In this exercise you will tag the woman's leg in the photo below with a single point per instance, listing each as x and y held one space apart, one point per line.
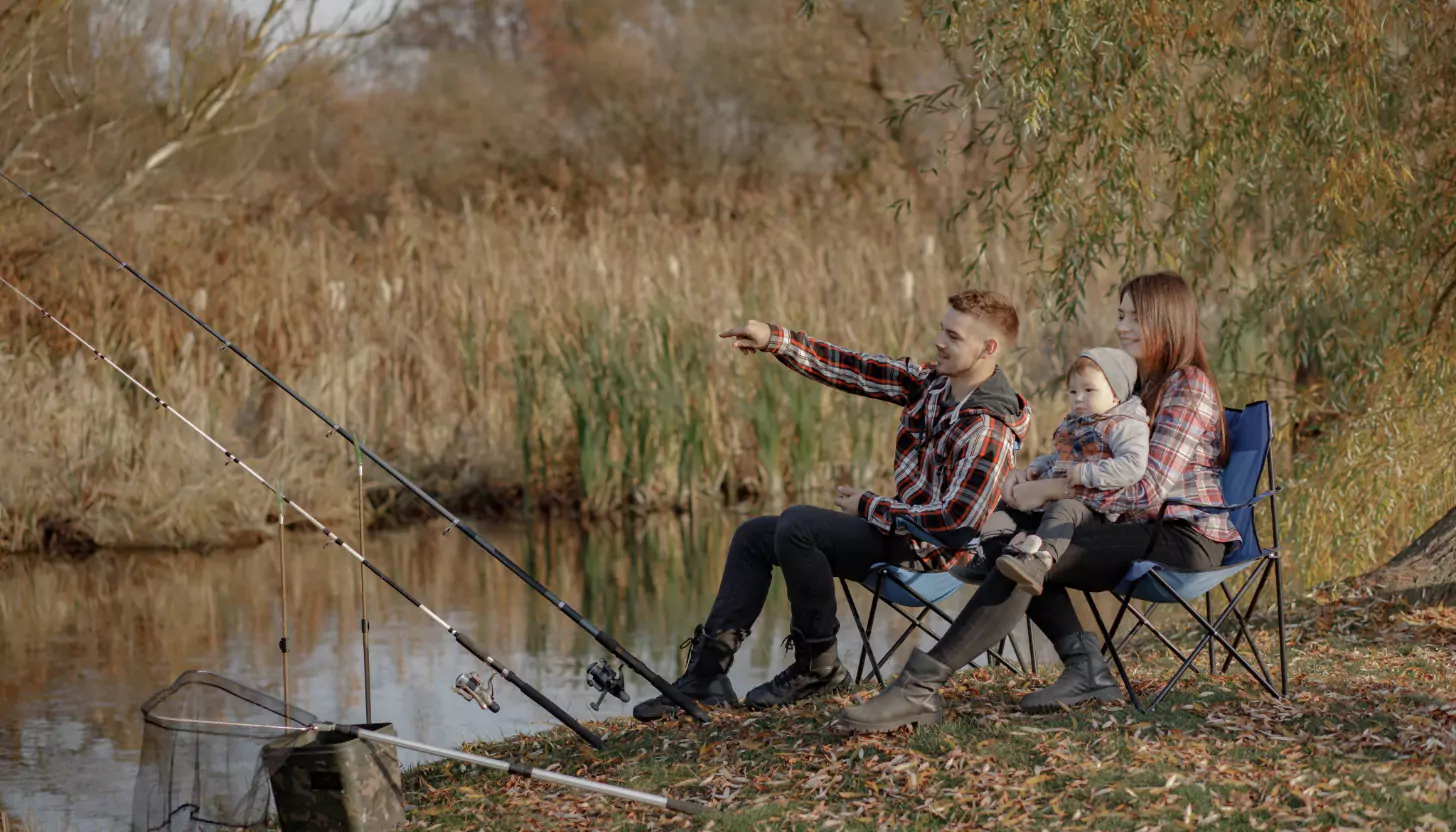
1096 560
914 697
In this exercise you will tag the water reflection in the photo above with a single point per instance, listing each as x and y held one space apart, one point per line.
84 644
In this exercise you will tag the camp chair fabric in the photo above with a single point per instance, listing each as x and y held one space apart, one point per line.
902 590
1250 433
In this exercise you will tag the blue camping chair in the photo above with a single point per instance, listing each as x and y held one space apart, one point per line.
1250 433
901 590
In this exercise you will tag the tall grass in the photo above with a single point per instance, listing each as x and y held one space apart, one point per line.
491 349
507 350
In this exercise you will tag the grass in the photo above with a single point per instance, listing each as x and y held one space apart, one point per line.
508 356
1364 740
502 351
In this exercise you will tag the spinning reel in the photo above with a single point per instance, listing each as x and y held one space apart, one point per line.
469 686
602 677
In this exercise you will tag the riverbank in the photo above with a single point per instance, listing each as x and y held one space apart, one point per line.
1365 740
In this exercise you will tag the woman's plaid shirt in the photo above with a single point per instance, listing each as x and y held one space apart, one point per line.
1182 461
950 461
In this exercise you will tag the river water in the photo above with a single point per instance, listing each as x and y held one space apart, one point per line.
84 644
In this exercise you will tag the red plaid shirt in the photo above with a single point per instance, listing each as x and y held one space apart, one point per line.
1182 461
950 461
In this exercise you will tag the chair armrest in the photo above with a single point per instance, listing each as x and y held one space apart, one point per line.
1217 508
1208 508
957 538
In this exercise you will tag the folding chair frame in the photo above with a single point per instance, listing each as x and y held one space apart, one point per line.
917 622
1269 560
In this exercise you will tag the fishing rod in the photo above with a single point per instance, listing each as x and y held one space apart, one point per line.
282 579
603 638
513 767
687 807
464 640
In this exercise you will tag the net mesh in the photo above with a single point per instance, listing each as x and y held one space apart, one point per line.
201 766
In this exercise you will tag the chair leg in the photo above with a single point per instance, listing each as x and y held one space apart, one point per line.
869 650
1208 612
1030 644
1243 633
994 655
1143 622
1116 656
1279 612
1262 575
864 636
1211 633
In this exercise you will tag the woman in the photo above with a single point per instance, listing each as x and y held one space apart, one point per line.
1157 324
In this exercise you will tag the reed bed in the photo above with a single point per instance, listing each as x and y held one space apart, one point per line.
507 354
493 349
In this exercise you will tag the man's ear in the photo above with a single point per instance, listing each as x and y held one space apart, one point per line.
992 347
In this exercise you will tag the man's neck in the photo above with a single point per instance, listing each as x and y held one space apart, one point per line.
961 385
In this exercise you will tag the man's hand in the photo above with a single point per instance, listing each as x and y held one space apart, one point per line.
748 338
1014 477
848 499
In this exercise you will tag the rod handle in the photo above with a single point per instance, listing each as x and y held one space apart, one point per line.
687 807
531 693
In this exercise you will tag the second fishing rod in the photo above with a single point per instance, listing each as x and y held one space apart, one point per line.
283 500
603 638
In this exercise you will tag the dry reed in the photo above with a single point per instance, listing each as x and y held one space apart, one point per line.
504 350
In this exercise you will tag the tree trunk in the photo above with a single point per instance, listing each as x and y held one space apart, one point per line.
1425 573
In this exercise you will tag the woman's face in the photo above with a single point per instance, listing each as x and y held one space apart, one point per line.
1129 332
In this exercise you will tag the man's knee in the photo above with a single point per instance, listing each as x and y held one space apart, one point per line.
755 536
800 524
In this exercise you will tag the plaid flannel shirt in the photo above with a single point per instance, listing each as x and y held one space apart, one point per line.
950 460
1080 439
1182 461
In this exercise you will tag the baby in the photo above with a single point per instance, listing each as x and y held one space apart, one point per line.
1102 444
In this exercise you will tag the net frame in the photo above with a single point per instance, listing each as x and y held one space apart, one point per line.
201 766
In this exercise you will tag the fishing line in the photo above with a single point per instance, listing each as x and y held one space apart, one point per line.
464 640
603 638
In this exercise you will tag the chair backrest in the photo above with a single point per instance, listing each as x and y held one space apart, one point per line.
1250 432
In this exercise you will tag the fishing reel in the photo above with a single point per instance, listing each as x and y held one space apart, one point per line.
469 686
600 676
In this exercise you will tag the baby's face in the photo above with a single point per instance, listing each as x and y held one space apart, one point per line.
1088 392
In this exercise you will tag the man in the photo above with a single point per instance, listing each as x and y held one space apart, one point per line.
958 432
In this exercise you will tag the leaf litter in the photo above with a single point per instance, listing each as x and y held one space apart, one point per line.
1366 739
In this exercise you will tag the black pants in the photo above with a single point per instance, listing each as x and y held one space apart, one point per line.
812 546
1095 560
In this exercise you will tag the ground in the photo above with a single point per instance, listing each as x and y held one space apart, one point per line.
1365 740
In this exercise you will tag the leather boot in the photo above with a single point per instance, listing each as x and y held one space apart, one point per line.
1084 678
816 670
705 680
912 699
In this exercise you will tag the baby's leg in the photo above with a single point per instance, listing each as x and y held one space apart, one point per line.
1060 520
999 524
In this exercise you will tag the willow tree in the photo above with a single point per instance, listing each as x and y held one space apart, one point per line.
1296 159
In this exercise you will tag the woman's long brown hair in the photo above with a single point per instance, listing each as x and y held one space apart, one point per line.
1167 314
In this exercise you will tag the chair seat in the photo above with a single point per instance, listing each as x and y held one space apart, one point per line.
932 586
1189 584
